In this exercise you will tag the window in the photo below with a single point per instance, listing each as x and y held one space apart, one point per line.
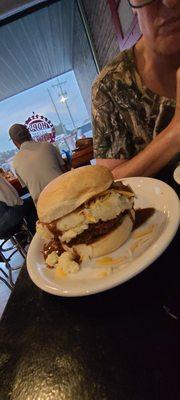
48 69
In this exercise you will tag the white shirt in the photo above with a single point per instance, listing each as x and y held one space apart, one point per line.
8 194
36 164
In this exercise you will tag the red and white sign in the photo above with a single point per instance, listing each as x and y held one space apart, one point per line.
41 128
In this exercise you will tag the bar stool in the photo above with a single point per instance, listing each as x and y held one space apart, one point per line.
5 277
19 237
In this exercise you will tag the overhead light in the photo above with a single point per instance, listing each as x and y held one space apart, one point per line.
63 99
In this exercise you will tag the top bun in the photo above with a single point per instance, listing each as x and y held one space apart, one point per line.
68 191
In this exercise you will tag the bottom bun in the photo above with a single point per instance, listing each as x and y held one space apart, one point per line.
108 243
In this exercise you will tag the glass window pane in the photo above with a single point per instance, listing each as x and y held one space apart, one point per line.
64 100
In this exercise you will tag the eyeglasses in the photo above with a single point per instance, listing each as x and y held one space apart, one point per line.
139 3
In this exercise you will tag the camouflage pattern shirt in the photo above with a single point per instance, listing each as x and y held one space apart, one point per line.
126 115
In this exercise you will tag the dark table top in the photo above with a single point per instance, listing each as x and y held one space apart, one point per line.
121 344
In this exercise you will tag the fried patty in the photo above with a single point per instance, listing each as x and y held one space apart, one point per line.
95 231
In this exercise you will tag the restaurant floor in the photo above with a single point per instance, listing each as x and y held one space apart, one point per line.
5 292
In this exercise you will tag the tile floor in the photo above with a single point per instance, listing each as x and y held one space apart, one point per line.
5 292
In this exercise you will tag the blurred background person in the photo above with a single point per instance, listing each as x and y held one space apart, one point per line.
13 209
36 163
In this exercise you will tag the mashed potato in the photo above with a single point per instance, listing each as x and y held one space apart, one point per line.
43 231
66 264
52 259
102 208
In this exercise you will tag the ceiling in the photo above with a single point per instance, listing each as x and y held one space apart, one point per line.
35 47
11 7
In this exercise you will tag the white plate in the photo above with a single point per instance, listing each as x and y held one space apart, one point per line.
176 174
144 246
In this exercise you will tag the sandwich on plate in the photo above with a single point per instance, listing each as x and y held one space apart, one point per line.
84 214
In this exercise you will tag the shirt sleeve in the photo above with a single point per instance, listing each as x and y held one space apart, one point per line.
112 137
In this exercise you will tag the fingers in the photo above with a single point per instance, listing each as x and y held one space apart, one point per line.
178 89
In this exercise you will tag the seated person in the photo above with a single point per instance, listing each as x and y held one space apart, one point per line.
13 209
136 98
36 163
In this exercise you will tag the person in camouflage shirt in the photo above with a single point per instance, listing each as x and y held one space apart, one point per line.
127 115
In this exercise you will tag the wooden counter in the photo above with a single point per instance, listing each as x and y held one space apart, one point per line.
82 157
16 184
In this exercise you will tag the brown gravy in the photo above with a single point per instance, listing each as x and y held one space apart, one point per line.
53 245
120 186
142 215
53 228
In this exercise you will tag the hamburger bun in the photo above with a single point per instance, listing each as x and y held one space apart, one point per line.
68 191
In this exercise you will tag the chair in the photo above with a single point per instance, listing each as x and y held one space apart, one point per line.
5 277
19 237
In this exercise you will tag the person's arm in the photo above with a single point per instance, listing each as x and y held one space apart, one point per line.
149 161
156 155
60 159
110 163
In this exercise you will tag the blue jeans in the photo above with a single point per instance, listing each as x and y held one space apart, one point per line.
10 217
